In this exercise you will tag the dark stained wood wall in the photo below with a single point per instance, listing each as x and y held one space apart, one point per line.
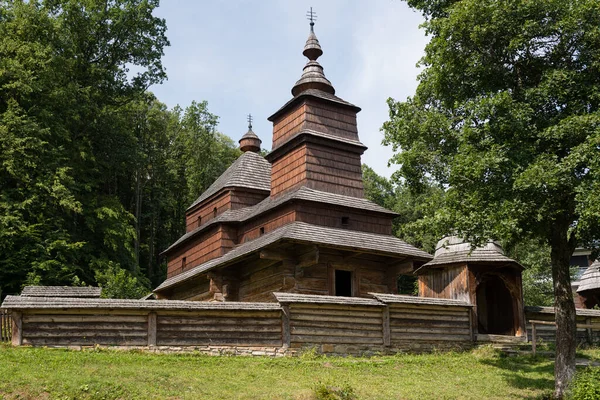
222 202
318 167
331 216
445 283
318 116
269 222
256 279
213 243
227 200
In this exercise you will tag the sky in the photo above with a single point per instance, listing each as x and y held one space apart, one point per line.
244 57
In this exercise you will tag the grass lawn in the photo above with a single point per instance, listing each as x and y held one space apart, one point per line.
32 373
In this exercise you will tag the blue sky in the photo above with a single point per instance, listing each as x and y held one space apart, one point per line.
244 57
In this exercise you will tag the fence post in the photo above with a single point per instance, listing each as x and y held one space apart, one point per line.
17 328
533 337
151 329
285 326
386 326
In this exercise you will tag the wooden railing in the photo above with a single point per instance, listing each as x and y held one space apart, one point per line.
5 326
534 322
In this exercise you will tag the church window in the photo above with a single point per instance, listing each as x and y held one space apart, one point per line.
183 261
215 212
199 220
345 221
262 230
343 283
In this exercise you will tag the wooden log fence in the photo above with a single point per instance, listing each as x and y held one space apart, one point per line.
533 322
334 325
5 326
337 325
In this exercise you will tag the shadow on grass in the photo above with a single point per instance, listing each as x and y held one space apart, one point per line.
524 372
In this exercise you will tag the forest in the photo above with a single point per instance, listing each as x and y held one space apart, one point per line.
96 173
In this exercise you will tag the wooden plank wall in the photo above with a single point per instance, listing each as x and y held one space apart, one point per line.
5 326
428 326
445 283
84 328
220 328
547 333
332 324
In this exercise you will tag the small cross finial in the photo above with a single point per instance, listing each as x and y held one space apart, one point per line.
312 17
250 121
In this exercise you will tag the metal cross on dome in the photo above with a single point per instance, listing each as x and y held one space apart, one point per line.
312 17
249 121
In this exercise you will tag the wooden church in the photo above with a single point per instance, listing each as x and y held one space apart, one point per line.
295 220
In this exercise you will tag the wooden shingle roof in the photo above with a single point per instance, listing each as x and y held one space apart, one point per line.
316 93
319 299
303 193
250 171
454 250
590 280
24 302
310 234
62 291
550 310
402 299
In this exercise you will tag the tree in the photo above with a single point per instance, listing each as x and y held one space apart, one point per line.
506 117
64 150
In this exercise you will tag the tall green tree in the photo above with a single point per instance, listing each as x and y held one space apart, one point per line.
506 115
64 151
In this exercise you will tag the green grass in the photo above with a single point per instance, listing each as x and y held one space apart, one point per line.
32 373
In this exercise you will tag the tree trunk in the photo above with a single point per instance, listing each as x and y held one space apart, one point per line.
566 328
138 215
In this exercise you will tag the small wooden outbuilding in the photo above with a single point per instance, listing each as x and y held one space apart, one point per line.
483 277
589 286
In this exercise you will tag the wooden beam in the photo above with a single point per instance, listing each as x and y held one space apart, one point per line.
152 329
285 326
386 326
355 254
17 328
308 259
274 255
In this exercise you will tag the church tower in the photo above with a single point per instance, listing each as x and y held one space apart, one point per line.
315 137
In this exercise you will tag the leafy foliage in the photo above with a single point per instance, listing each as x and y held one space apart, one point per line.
95 172
118 283
507 118
586 385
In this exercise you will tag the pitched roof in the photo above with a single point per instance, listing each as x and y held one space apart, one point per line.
302 193
477 255
402 299
318 299
307 233
453 250
590 279
314 93
61 291
23 302
250 170
550 310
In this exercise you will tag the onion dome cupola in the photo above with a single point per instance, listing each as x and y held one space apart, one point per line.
250 141
313 76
